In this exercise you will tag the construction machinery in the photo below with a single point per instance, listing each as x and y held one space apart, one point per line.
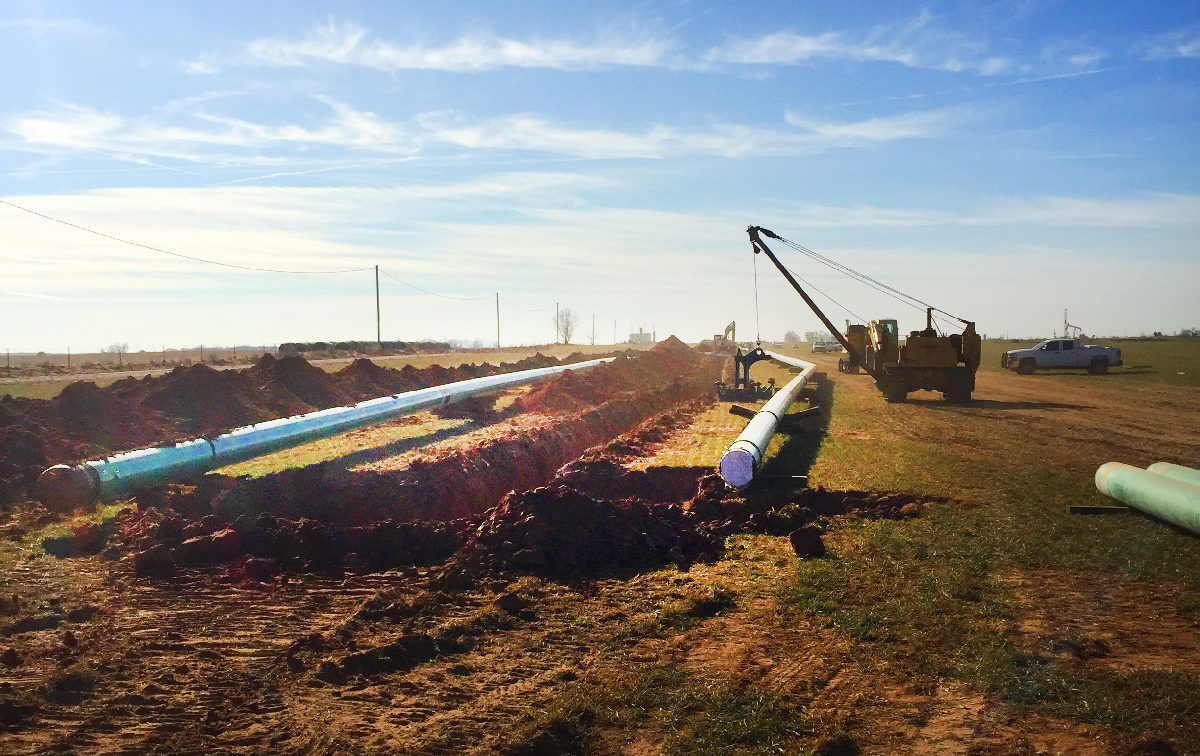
927 360
730 335
744 389
856 336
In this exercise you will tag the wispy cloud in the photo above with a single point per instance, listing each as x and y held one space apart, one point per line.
1156 210
921 124
43 26
194 137
1180 43
920 42
203 137
527 132
348 43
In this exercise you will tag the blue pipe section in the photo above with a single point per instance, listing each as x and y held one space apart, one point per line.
119 476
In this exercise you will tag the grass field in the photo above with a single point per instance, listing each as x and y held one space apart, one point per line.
996 622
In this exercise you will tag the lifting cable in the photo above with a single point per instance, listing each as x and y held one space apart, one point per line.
879 286
757 324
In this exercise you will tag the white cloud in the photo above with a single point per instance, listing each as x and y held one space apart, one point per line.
350 44
914 125
919 42
1180 43
527 132
42 26
1155 210
239 141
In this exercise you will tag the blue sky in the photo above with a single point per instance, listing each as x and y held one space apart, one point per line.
1001 160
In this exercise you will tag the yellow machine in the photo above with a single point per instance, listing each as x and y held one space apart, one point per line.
926 360
856 338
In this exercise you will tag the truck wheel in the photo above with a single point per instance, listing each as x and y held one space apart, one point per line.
1099 366
1027 366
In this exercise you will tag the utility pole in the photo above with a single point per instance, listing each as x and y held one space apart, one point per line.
556 316
378 323
497 320
68 358
614 333
593 329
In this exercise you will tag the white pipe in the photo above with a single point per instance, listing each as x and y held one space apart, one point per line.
744 457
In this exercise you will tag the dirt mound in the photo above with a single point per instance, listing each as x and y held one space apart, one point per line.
297 376
669 361
204 400
363 378
159 541
560 531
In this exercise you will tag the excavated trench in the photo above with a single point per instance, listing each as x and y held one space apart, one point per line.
326 515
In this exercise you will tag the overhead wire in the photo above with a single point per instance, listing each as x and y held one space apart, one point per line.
510 303
179 254
433 293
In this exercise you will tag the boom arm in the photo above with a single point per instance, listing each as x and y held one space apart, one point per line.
761 246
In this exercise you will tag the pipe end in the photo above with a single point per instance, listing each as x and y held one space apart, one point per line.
63 488
737 468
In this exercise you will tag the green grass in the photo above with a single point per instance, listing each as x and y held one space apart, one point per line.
688 716
925 598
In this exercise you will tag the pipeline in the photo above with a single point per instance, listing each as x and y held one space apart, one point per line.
744 457
1167 498
65 487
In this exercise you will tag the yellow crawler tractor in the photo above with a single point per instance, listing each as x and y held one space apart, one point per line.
926 360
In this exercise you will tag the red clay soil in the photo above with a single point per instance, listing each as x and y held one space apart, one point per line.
469 480
86 422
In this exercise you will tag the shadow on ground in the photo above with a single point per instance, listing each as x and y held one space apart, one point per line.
799 451
992 404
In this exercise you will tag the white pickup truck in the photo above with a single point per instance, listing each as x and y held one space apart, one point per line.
1056 354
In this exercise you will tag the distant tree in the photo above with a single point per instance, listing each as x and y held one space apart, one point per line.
118 349
791 337
564 324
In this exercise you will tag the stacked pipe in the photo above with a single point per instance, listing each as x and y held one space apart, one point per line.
64 487
1167 491
744 457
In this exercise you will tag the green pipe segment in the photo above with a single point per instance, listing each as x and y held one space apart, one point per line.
1167 499
1178 472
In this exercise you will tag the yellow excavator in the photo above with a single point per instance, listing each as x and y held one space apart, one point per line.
927 360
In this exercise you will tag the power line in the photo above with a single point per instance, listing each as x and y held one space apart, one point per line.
508 302
433 293
176 254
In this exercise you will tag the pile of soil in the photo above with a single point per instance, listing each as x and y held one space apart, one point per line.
561 531
669 360
157 542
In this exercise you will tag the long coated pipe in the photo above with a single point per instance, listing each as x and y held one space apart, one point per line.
1166 498
1178 472
116 477
744 457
